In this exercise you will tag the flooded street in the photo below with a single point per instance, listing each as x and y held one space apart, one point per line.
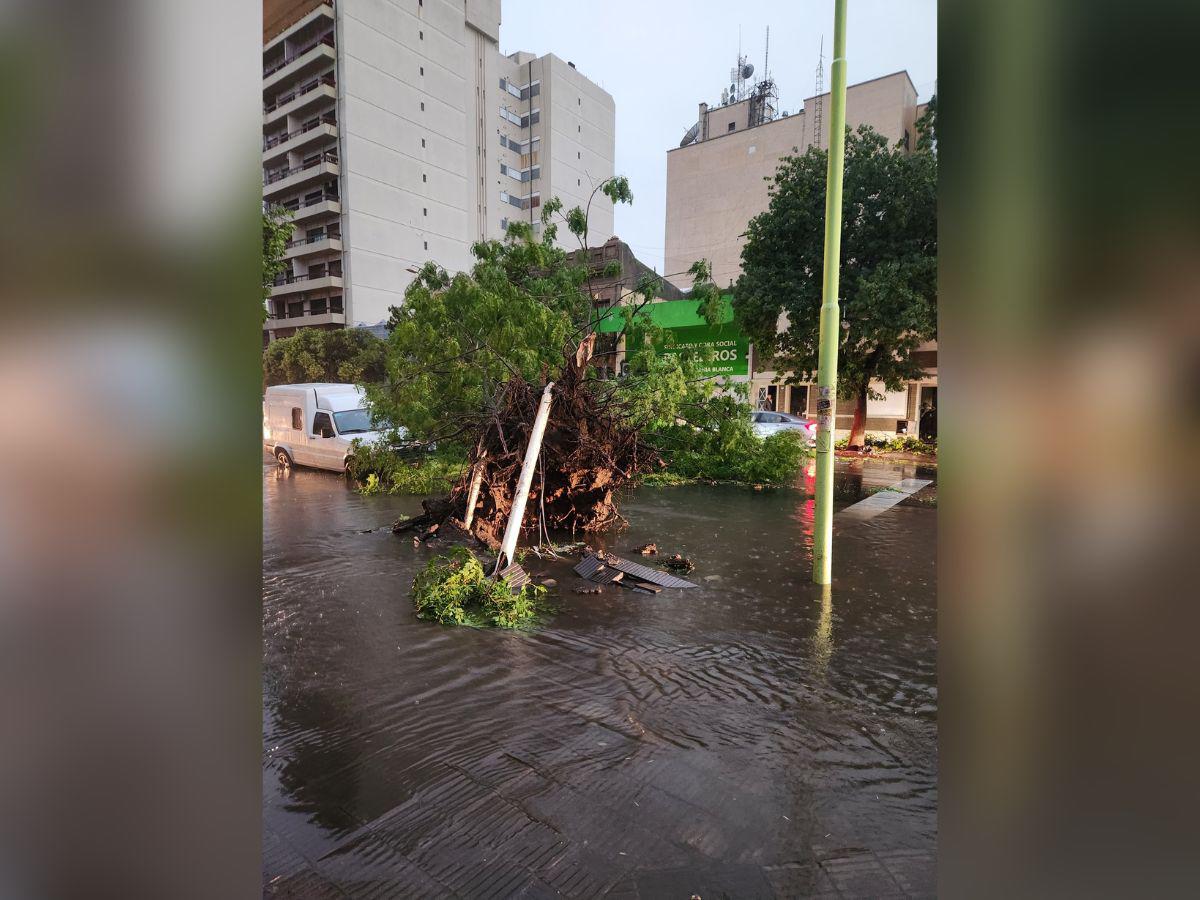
751 737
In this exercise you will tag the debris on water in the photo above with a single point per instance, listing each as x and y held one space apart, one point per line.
645 587
549 582
605 568
593 590
647 549
758 487
554 551
517 577
680 563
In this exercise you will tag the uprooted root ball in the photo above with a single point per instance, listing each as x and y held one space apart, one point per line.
588 452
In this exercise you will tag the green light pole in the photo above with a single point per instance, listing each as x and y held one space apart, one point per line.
830 325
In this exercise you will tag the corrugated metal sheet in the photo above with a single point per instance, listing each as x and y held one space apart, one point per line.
517 576
593 565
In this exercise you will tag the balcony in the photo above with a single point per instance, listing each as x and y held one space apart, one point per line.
300 98
325 204
305 320
296 284
281 181
325 243
322 12
318 54
280 145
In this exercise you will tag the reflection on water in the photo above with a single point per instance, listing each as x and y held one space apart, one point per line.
755 719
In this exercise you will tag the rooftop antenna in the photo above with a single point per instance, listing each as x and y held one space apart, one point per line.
820 91
767 55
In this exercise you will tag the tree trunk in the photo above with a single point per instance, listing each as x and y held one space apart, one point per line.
858 429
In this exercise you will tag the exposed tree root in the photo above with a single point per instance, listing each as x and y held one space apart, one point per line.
588 453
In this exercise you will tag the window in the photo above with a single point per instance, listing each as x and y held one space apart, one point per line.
424 177
422 142
579 101
578 155
323 425
579 128
422 68
732 125
422 106
352 421
297 418
421 35
427 245
425 211
576 182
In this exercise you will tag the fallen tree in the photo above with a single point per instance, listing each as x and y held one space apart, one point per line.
469 356
590 450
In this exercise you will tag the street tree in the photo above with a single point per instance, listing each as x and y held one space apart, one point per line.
351 355
888 274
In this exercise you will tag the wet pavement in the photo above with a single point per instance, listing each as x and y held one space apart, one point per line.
748 738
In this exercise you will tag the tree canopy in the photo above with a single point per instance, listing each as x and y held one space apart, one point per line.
521 310
351 355
888 264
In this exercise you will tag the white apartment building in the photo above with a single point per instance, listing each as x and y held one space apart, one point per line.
396 133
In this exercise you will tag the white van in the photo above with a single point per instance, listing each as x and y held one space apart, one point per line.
314 424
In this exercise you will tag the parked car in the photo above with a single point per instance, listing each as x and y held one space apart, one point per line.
767 423
315 424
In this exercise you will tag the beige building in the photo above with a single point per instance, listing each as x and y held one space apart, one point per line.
717 181
396 134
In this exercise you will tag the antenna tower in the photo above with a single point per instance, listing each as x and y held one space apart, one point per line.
820 90
767 55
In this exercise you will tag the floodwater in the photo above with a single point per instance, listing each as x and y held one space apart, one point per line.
752 737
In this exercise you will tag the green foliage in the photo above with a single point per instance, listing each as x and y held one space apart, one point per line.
457 338
277 230
927 127
727 449
901 443
454 590
524 302
888 263
351 355
380 470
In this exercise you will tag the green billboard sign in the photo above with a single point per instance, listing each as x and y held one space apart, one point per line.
730 349
685 329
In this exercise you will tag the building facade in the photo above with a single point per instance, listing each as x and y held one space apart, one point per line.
718 180
396 134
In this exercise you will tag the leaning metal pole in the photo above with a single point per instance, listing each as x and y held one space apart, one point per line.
508 547
827 357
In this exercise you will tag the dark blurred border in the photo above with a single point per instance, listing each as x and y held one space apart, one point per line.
130 486
1070 318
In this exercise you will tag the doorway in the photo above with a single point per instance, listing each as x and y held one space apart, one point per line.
927 428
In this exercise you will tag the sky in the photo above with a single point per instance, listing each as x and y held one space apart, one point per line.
660 58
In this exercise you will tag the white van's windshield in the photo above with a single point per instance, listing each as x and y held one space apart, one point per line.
352 421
